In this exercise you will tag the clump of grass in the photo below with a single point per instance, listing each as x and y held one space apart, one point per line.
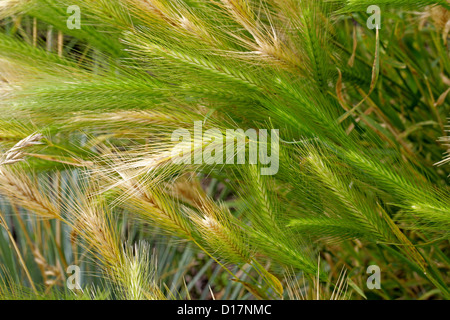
360 114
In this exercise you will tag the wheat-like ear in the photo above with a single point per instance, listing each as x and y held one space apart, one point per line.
9 7
15 154
140 273
132 270
221 233
145 197
22 189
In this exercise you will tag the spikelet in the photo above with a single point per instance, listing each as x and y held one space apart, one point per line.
8 7
22 189
221 232
15 154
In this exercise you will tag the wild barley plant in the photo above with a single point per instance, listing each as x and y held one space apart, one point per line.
361 117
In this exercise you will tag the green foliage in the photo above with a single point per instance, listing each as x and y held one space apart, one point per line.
360 113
